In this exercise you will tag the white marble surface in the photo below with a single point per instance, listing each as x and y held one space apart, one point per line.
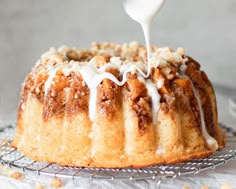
206 29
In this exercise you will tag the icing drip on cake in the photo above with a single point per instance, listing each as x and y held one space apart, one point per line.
152 91
155 97
211 142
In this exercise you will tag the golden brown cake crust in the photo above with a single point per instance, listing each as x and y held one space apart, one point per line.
54 124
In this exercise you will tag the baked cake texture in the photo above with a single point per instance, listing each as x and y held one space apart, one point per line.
96 108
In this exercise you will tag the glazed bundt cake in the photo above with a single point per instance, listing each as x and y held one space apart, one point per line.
98 107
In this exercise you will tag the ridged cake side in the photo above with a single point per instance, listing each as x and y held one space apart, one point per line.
62 120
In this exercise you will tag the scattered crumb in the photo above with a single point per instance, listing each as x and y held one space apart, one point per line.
16 175
56 183
226 186
39 186
4 141
204 187
186 187
6 168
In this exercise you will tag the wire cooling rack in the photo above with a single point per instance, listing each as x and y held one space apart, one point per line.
14 158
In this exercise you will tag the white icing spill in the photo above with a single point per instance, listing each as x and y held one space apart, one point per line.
211 142
143 12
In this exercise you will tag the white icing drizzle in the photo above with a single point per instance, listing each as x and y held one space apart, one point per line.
152 91
211 142
93 76
155 97
143 12
72 66
66 68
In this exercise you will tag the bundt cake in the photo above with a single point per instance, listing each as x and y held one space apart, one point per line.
97 107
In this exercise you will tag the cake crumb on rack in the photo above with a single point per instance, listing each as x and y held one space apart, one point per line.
5 170
226 186
16 175
4 141
39 186
56 182
186 187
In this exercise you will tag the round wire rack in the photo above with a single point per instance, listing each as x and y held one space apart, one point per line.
14 158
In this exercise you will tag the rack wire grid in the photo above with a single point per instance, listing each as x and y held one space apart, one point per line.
13 158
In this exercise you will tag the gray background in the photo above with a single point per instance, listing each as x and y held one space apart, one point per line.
205 28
